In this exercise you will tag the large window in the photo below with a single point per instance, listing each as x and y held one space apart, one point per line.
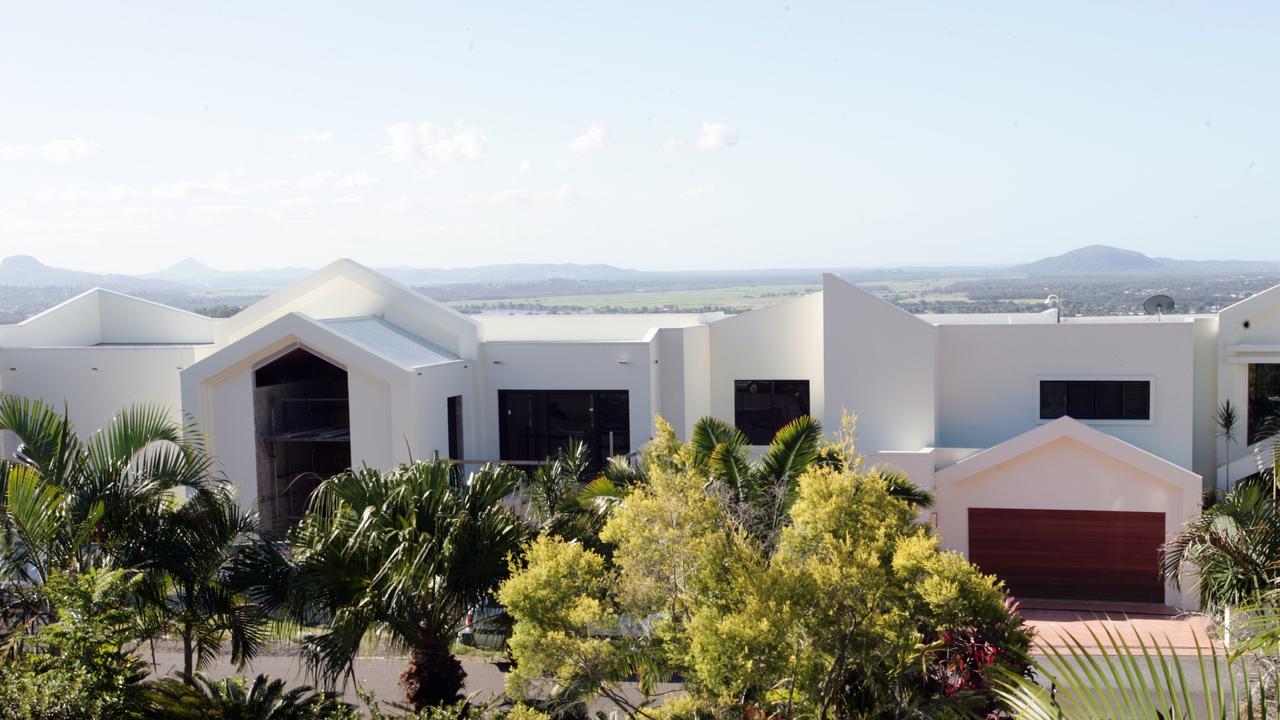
1095 399
1264 401
535 424
762 407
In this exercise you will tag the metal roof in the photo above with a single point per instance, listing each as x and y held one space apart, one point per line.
388 341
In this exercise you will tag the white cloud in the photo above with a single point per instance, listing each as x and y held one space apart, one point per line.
314 138
671 143
317 179
716 135
427 143
590 141
303 201
355 180
349 199
698 191
220 185
554 196
52 151
526 166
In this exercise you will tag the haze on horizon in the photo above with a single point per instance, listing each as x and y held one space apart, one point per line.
654 136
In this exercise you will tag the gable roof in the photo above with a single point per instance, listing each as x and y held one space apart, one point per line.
406 308
106 317
1072 429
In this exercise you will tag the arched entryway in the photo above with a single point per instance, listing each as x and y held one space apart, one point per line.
302 424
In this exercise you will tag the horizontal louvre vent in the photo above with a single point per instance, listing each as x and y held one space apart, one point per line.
1095 399
1137 400
1053 399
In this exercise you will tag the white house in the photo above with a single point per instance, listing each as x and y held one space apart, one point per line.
1062 452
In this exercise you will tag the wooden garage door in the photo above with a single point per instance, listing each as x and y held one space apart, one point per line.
1070 554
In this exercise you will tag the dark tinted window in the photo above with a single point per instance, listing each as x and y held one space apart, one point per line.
762 407
535 424
1095 399
1264 401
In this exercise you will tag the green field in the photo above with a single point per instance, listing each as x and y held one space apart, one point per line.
747 297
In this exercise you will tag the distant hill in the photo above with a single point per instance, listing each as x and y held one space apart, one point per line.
195 274
26 271
1107 260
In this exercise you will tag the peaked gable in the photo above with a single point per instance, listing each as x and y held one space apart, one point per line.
1071 429
345 288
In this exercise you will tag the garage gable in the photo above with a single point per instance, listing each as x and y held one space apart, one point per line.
1079 446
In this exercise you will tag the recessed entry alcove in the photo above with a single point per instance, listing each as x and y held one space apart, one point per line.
302 424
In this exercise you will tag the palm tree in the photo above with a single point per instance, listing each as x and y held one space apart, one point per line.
1232 549
759 493
69 504
402 555
199 562
1105 676
1225 423
233 698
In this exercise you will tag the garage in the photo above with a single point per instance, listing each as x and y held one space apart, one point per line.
1070 554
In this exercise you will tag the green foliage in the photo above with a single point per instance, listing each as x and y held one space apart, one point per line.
1103 675
1232 549
403 555
841 605
78 666
203 698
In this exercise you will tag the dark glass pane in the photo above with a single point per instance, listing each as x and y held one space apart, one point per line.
539 423
762 407
1080 400
1264 401
1108 400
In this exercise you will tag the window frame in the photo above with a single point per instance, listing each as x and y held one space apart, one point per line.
1151 400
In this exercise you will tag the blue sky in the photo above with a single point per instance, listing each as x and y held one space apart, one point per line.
651 135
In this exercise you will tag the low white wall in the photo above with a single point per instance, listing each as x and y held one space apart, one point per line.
95 383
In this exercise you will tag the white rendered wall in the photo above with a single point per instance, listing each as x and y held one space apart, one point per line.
684 376
1064 475
881 365
570 366
779 342
96 382
126 319
433 388
989 378
1239 346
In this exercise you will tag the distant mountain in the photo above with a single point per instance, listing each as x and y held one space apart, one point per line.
195 274
1107 260
1091 260
26 271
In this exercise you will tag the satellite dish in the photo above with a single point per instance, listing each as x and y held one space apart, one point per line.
1158 305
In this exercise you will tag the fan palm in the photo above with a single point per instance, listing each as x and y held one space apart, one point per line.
401 554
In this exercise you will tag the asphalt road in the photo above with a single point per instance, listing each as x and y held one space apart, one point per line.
381 675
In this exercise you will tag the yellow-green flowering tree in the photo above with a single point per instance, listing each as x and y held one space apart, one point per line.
849 610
